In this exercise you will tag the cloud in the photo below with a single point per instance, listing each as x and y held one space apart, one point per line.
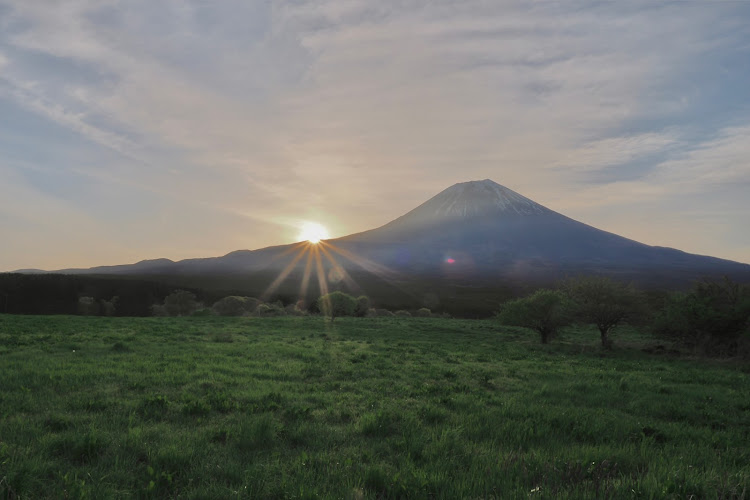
353 112
615 151
723 159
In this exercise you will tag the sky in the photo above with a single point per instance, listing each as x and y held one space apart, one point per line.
135 129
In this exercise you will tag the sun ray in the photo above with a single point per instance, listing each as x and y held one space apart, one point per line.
348 280
362 262
282 276
386 274
322 283
317 256
299 246
306 277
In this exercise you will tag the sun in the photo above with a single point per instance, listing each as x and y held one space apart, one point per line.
313 232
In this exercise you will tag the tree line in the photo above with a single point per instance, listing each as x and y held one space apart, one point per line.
713 317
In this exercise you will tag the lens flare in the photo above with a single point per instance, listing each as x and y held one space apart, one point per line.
313 232
312 254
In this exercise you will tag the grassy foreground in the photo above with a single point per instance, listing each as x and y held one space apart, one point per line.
294 407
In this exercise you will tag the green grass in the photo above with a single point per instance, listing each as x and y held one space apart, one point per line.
294 407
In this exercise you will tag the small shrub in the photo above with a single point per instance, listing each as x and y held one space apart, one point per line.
423 313
384 313
265 310
402 314
294 310
337 304
234 305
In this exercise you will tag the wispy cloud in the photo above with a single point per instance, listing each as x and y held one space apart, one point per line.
352 112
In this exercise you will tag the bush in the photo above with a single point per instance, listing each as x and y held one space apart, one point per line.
158 310
545 311
362 306
265 310
234 305
294 310
384 313
714 316
180 303
337 304
402 314
109 306
88 306
423 313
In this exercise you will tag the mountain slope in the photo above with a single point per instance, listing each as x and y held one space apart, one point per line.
482 228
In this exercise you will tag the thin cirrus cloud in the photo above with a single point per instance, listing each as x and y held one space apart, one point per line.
181 129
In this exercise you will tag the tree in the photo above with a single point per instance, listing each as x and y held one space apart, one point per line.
88 306
180 303
109 307
545 311
714 315
337 304
362 306
604 302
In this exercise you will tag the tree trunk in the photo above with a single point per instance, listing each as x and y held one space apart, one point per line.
606 343
545 336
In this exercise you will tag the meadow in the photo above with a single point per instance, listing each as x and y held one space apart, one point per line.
299 407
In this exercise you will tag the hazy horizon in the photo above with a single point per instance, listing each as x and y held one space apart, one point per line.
132 131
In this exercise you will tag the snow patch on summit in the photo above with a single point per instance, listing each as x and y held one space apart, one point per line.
485 197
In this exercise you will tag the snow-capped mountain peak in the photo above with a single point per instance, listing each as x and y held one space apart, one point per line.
470 200
485 197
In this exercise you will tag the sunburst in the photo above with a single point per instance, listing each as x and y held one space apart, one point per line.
313 232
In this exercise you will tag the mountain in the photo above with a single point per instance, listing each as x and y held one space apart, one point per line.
481 228
472 232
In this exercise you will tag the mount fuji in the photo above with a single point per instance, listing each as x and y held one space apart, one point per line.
483 229
476 231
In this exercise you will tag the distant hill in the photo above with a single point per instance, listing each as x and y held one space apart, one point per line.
473 232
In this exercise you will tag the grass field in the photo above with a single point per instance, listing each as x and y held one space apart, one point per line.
296 407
